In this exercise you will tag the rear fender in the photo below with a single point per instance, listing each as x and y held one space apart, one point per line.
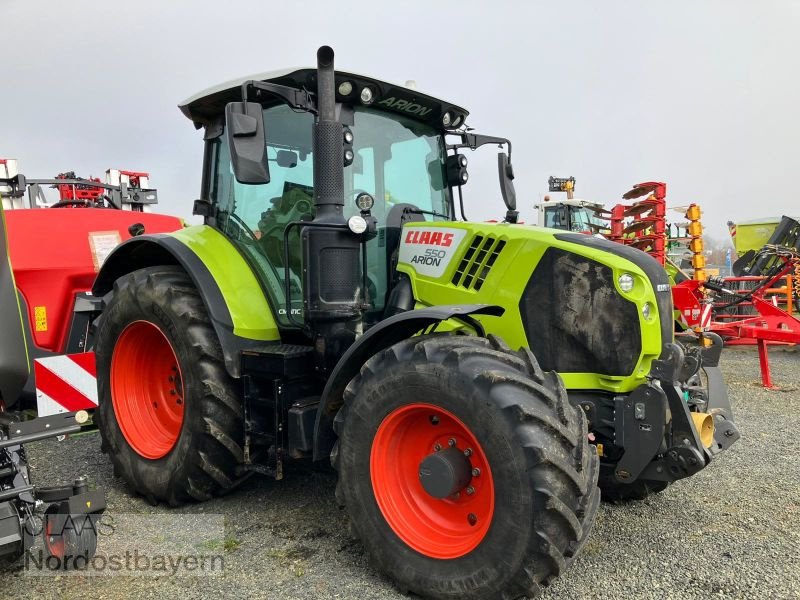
386 333
235 301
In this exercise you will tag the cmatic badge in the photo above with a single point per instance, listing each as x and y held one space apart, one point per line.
430 249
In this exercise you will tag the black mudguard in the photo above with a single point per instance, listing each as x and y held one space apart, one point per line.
13 351
386 333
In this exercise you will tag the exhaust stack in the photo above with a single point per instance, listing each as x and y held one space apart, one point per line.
328 144
331 252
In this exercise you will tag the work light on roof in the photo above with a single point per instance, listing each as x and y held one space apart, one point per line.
367 96
345 88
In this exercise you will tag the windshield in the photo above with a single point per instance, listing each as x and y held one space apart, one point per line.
581 219
397 161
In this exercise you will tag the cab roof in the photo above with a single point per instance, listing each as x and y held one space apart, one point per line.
207 106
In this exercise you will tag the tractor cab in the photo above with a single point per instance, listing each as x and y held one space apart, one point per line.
397 167
575 215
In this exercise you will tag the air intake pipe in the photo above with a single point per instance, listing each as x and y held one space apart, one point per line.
331 252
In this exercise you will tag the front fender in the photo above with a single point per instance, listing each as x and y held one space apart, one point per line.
386 333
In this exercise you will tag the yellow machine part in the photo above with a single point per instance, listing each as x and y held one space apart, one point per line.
704 423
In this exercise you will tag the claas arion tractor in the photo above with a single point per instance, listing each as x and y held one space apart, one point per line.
469 382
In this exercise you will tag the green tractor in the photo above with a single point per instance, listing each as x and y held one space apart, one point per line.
331 307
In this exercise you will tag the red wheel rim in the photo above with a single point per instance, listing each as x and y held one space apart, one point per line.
55 543
443 528
147 390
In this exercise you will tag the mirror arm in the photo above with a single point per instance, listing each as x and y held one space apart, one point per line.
473 141
297 99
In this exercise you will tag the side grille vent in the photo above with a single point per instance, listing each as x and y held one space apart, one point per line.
477 262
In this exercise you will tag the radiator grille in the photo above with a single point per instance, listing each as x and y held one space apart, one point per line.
477 262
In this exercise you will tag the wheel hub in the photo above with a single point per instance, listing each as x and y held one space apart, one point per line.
444 473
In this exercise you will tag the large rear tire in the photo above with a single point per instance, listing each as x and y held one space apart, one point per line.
530 494
169 415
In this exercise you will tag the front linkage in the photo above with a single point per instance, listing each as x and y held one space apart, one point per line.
666 429
68 527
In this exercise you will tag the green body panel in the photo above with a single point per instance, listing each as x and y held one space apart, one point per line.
244 296
754 234
505 285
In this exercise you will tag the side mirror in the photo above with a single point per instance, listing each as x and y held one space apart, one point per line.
563 217
506 172
286 159
247 141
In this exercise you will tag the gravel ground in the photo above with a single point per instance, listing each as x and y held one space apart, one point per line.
732 531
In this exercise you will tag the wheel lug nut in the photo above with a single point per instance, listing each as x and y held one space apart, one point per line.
173 392
472 519
451 442
470 490
170 378
434 420
476 472
437 447
468 452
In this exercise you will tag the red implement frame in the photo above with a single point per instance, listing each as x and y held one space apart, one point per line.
643 223
771 325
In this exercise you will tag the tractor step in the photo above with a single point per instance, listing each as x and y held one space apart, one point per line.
278 361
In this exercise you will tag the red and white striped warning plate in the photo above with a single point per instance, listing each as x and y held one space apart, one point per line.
65 383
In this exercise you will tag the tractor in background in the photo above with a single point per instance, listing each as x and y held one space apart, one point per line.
332 308
572 214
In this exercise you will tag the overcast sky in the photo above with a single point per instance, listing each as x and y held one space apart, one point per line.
703 95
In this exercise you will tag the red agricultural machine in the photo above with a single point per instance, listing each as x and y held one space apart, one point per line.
51 254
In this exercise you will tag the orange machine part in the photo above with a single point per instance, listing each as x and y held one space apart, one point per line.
53 260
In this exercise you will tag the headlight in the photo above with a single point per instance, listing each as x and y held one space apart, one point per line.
357 224
647 311
625 282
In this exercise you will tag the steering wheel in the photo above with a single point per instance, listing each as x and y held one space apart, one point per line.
242 226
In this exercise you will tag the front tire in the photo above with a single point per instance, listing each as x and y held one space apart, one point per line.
169 415
532 497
